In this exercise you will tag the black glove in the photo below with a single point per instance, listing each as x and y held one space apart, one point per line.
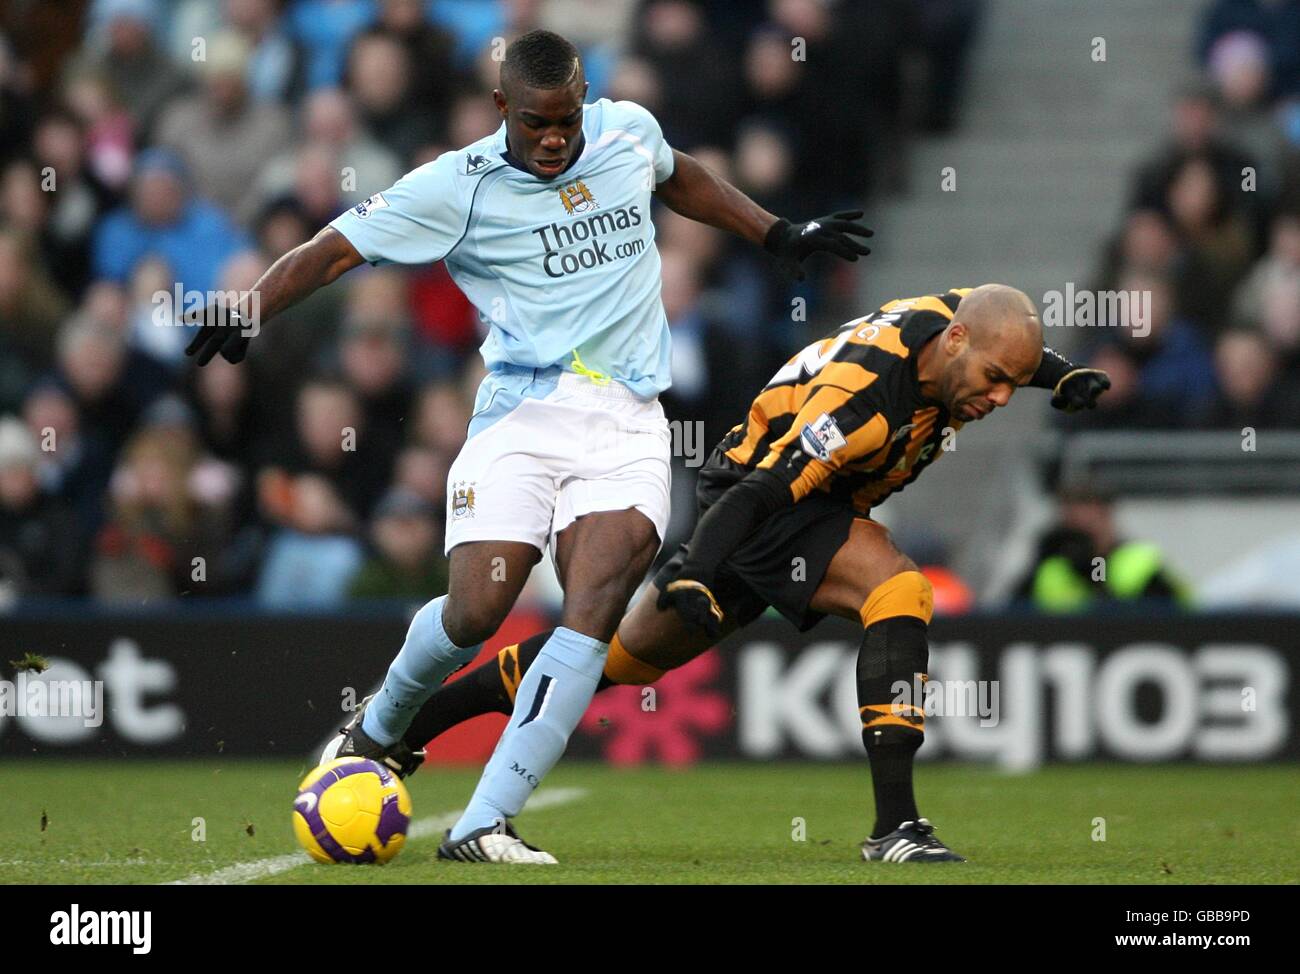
1079 389
222 330
694 603
792 242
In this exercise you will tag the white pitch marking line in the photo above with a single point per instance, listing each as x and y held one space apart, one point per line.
247 872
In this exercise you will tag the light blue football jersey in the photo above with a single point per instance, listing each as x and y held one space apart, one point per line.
554 266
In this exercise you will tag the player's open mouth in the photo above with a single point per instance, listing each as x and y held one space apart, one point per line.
549 166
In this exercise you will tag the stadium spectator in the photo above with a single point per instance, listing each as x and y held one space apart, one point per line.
317 186
748 304
1269 298
445 324
110 131
39 552
441 419
312 559
203 128
333 441
280 226
1253 391
1217 238
1161 373
473 116
372 358
430 51
78 201
380 81
697 84
111 385
832 144
163 515
324 29
16 109
1277 22
74 464
1240 67
153 327
406 533
329 120
31 308
274 70
122 47
1083 561
1195 132
164 219
307 332
700 349
765 166
423 472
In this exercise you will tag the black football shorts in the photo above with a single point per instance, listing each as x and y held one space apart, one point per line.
781 563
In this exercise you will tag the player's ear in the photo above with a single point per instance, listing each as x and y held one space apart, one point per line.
499 100
957 337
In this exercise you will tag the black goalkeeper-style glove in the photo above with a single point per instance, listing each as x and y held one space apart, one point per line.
790 242
693 602
222 330
1079 389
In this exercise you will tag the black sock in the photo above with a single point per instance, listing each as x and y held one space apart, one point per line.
481 691
891 780
893 650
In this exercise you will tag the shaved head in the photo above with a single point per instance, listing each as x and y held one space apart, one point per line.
1000 315
992 346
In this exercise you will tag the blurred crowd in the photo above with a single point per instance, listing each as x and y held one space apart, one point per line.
152 148
1212 234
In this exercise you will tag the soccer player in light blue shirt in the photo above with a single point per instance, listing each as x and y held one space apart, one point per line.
545 225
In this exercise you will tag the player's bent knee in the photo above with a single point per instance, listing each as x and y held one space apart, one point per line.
908 593
468 625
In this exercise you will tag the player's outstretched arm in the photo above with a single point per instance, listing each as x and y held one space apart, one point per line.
297 274
1073 387
695 191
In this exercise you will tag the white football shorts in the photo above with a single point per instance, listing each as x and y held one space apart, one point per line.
577 448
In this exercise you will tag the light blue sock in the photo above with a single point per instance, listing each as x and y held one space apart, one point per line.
550 701
426 659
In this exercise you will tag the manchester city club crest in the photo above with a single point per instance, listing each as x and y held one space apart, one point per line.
462 499
577 198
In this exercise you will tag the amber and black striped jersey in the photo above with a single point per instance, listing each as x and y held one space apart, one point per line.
846 416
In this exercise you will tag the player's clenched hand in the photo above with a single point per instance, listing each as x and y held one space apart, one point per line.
792 242
1079 389
221 330
694 603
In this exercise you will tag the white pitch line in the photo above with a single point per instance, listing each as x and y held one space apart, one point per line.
247 872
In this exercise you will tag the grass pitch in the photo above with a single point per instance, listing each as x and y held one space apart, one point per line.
136 822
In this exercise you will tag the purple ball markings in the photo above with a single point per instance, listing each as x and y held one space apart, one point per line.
391 818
